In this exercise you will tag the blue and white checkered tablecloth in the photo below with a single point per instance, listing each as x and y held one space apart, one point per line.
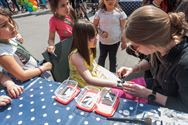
37 106
128 6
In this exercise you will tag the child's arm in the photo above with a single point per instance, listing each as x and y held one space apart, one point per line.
4 100
9 63
77 60
13 90
51 39
102 33
123 39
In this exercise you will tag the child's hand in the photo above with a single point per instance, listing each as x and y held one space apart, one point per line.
51 49
123 45
19 38
104 34
4 100
14 90
46 66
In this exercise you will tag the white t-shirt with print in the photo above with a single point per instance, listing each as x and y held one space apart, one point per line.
110 22
24 59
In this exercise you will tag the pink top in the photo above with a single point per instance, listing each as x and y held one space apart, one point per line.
62 27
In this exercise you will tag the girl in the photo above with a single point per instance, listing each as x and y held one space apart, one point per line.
13 90
61 22
168 50
14 58
83 52
110 20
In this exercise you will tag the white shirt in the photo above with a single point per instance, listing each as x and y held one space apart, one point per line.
24 59
110 23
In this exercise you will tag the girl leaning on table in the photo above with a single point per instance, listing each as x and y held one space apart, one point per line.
81 58
162 37
14 58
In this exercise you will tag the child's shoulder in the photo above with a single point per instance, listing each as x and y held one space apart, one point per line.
100 11
119 10
73 52
52 17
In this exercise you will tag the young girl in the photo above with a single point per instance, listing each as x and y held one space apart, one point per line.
13 90
81 58
14 58
61 22
110 20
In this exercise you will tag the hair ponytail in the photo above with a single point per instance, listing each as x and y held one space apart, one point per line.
179 26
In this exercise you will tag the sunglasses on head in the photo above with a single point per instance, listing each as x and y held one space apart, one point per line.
132 50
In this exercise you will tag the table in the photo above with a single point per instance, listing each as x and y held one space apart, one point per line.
37 106
128 6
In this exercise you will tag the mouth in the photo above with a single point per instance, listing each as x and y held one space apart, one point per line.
110 4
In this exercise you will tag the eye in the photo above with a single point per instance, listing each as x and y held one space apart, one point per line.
3 25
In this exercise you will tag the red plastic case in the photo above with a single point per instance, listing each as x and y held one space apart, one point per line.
108 103
66 91
87 99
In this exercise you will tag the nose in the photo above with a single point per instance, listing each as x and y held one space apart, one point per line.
67 6
11 26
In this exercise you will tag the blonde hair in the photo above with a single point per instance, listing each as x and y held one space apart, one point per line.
150 25
102 5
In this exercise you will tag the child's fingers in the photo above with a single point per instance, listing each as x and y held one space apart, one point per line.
17 92
20 90
12 93
5 97
4 100
3 103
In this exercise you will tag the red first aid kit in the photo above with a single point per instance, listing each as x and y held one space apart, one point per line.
66 91
108 103
88 98
103 102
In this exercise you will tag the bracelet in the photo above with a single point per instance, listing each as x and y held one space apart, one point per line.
41 71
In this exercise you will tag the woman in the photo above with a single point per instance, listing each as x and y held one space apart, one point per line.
161 36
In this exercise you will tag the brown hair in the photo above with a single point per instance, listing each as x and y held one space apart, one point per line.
54 6
102 5
150 25
82 32
8 15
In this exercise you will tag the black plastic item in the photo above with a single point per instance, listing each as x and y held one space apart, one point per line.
59 60
146 121
135 54
120 83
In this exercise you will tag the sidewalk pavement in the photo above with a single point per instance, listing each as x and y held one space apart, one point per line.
38 12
